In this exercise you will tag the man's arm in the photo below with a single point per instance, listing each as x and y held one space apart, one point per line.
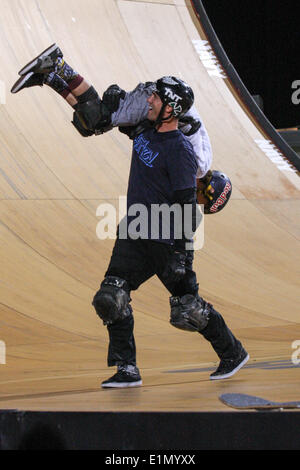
199 139
190 216
94 116
190 220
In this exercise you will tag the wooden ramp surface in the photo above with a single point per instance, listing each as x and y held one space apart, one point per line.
51 261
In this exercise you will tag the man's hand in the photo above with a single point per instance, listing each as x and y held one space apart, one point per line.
112 96
175 269
133 131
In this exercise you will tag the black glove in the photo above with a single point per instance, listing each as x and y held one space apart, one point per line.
130 131
112 96
175 269
194 124
133 131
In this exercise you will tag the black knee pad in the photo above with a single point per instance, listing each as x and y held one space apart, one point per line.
111 302
189 312
80 125
93 114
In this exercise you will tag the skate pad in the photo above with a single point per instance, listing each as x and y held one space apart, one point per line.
241 401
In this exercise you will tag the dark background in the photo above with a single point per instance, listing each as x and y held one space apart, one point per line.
261 39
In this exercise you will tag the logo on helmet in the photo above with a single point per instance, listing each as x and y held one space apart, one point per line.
177 109
173 96
222 198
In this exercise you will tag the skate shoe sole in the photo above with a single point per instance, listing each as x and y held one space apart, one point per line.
234 371
138 383
21 82
33 63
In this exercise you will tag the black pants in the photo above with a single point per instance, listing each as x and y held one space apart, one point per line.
136 261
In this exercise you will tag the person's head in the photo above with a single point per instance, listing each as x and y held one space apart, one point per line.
214 191
171 98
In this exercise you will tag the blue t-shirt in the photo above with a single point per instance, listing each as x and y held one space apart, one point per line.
162 162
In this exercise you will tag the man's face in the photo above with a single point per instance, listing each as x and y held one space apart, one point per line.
155 105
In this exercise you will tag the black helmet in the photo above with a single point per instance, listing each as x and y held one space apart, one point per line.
175 93
222 191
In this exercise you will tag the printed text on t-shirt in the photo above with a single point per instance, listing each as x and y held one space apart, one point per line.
145 154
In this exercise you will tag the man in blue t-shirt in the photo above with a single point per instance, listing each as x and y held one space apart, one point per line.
162 163
163 174
162 183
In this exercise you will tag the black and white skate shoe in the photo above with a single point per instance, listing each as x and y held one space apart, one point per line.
228 367
126 376
28 80
45 62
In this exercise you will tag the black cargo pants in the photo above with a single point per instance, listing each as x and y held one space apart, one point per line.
136 261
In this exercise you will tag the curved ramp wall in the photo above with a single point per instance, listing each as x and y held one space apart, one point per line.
52 181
